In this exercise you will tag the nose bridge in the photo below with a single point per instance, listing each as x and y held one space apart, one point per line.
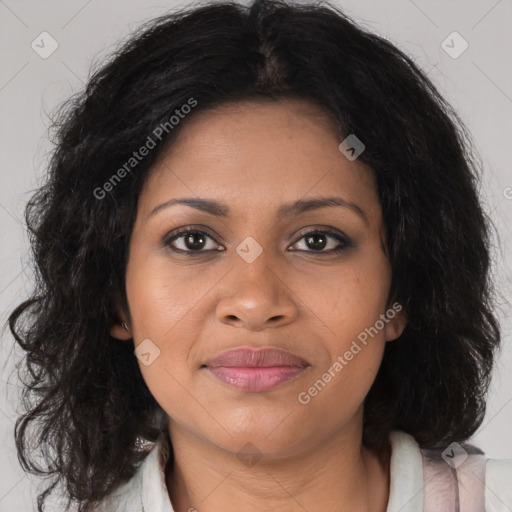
255 295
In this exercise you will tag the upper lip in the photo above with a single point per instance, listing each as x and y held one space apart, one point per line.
256 358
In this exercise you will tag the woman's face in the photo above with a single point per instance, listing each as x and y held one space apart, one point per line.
254 278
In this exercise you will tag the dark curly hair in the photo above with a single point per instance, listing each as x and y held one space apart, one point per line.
84 389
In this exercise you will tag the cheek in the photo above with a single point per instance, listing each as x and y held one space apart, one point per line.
161 304
161 299
350 297
349 302
354 337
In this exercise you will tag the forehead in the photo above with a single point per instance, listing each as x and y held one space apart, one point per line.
258 154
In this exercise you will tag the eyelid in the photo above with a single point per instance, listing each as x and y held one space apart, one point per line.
319 229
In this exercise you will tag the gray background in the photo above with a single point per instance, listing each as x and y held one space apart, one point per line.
478 83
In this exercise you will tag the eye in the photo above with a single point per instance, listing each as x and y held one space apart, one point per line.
191 240
323 242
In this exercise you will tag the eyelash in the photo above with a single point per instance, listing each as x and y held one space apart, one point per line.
180 232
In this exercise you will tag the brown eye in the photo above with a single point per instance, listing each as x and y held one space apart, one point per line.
323 242
192 240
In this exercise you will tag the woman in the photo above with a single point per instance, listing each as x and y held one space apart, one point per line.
262 277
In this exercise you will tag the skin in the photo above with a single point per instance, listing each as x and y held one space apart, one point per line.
254 157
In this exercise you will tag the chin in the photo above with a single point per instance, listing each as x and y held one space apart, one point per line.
270 438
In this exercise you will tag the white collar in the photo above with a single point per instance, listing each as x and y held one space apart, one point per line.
406 474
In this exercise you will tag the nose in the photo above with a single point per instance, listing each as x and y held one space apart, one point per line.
255 297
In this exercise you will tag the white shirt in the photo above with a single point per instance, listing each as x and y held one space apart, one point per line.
147 490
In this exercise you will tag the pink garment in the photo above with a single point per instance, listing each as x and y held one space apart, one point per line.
454 479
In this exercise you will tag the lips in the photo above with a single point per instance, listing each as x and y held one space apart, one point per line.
254 357
256 369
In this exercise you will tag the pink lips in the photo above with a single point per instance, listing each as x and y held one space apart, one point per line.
256 369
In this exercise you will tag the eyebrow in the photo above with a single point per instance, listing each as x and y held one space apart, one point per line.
285 211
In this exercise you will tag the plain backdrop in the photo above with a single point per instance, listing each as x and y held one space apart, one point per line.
476 81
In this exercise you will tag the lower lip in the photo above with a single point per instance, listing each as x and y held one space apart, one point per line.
256 379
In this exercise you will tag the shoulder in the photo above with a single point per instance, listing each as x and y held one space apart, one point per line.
146 490
434 476
132 496
498 485
126 498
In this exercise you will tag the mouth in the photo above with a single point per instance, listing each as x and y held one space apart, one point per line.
255 370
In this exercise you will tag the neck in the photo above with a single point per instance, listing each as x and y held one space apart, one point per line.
341 474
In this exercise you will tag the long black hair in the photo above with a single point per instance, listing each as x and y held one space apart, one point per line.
84 394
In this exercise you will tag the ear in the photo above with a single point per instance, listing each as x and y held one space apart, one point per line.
121 330
397 320
116 331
